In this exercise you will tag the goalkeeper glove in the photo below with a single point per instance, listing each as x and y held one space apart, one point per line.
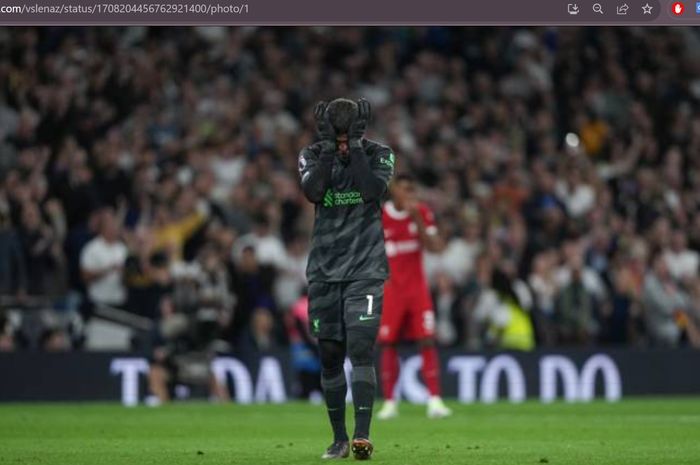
357 129
325 130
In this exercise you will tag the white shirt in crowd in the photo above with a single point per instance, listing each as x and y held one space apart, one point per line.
291 279
545 291
99 255
269 249
578 200
228 172
683 264
591 281
457 260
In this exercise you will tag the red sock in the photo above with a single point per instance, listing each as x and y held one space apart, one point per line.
431 370
390 371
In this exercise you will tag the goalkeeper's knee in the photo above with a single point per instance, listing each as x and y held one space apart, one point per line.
360 349
332 353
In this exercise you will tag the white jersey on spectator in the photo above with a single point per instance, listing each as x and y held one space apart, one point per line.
578 200
682 264
591 281
99 255
269 249
457 260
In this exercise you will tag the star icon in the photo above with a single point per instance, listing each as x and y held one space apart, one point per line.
647 9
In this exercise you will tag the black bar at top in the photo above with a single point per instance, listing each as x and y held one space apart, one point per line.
348 12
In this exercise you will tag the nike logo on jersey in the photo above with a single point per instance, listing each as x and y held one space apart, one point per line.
367 317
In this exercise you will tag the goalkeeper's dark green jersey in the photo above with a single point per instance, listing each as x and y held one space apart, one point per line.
348 240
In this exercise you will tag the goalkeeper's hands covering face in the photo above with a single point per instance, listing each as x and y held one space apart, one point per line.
324 128
357 129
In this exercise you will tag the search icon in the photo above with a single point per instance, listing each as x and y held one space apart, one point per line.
598 8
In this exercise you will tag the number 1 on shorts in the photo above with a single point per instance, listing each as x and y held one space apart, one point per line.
370 300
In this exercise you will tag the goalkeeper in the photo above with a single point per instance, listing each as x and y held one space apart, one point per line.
345 176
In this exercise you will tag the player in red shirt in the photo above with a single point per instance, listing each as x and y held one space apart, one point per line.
409 227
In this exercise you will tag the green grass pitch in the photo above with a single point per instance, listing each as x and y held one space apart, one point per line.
636 431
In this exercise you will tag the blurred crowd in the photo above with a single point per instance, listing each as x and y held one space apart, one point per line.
154 170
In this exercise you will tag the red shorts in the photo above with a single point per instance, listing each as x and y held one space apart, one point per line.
407 314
